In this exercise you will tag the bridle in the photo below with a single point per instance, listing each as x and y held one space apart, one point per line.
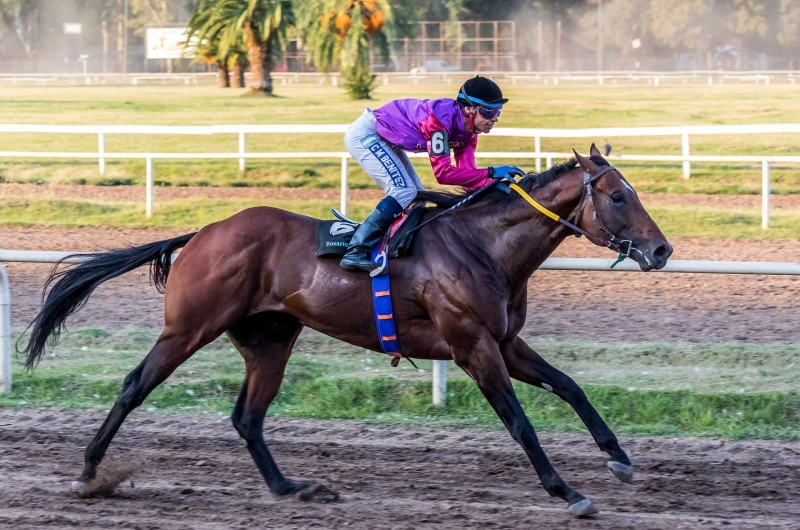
611 241
622 246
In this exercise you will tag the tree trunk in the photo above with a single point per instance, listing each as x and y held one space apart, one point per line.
120 45
104 31
259 55
222 74
238 72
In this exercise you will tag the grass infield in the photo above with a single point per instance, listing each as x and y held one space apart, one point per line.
529 106
675 221
733 390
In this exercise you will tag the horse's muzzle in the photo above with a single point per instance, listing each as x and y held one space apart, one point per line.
655 255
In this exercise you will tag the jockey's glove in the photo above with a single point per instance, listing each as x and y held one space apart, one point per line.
506 173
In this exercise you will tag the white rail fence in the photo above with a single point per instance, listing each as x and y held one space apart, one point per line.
439 367
652 78
683 132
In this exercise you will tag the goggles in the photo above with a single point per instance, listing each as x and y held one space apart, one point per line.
489 111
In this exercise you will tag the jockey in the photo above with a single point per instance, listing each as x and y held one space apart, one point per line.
379 139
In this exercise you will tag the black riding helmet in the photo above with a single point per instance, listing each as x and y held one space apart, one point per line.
481 92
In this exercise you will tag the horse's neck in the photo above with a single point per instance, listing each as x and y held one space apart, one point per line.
531 238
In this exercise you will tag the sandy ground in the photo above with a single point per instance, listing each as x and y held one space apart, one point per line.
594 306
193 472
136 194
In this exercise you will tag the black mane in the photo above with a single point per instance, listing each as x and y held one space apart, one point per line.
446 199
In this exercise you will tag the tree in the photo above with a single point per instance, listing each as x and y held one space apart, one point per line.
112 26
208 38
19 16
260 24
344 32
789 34
703 25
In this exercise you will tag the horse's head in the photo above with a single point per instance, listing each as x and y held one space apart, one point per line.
611 212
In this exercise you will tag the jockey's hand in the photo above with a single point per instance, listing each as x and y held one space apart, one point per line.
506 173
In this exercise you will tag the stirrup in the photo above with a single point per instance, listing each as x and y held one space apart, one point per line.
382 261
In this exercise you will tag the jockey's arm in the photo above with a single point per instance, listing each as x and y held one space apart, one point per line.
463 173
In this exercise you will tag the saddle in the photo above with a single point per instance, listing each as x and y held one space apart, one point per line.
333 236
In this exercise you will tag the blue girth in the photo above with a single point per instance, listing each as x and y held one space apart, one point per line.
382 306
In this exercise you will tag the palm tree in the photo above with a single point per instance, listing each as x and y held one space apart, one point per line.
263 23
344 32
207 40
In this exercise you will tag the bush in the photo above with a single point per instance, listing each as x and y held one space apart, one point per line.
359 84
115 182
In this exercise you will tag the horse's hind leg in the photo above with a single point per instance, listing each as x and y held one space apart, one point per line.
265 340
169 352
525 365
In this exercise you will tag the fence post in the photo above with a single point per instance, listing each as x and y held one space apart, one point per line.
241 150
101 149
537 147
764 194
343 198
439 382
5 332
149 187
687 166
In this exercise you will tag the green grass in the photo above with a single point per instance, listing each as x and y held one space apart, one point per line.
530 106
731 389
196 213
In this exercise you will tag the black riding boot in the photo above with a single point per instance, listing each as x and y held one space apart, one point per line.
369 234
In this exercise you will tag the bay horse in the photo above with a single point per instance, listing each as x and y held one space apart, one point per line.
461 295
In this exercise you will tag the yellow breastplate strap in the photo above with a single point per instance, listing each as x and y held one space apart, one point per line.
525 195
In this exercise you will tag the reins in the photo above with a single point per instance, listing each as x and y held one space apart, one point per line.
463 201
623 247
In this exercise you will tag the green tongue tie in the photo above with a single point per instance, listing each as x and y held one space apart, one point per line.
620 259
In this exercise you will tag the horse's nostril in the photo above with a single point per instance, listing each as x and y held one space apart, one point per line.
663 251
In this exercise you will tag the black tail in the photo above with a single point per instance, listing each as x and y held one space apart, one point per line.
74 285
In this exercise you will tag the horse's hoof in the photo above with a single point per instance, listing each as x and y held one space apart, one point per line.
317 493
79 487
624 472
582 508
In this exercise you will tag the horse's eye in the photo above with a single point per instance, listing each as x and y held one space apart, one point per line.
618 198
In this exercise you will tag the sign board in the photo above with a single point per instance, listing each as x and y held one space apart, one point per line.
72 29
167 43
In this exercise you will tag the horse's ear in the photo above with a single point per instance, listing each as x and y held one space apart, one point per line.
594 151
585 163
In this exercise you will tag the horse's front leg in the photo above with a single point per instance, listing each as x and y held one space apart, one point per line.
525 365
480 357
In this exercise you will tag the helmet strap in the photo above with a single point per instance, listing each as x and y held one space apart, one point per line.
471 119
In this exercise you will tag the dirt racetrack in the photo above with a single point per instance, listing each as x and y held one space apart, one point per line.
562 304
193 472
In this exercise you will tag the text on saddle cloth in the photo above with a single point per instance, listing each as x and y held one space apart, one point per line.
332 237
